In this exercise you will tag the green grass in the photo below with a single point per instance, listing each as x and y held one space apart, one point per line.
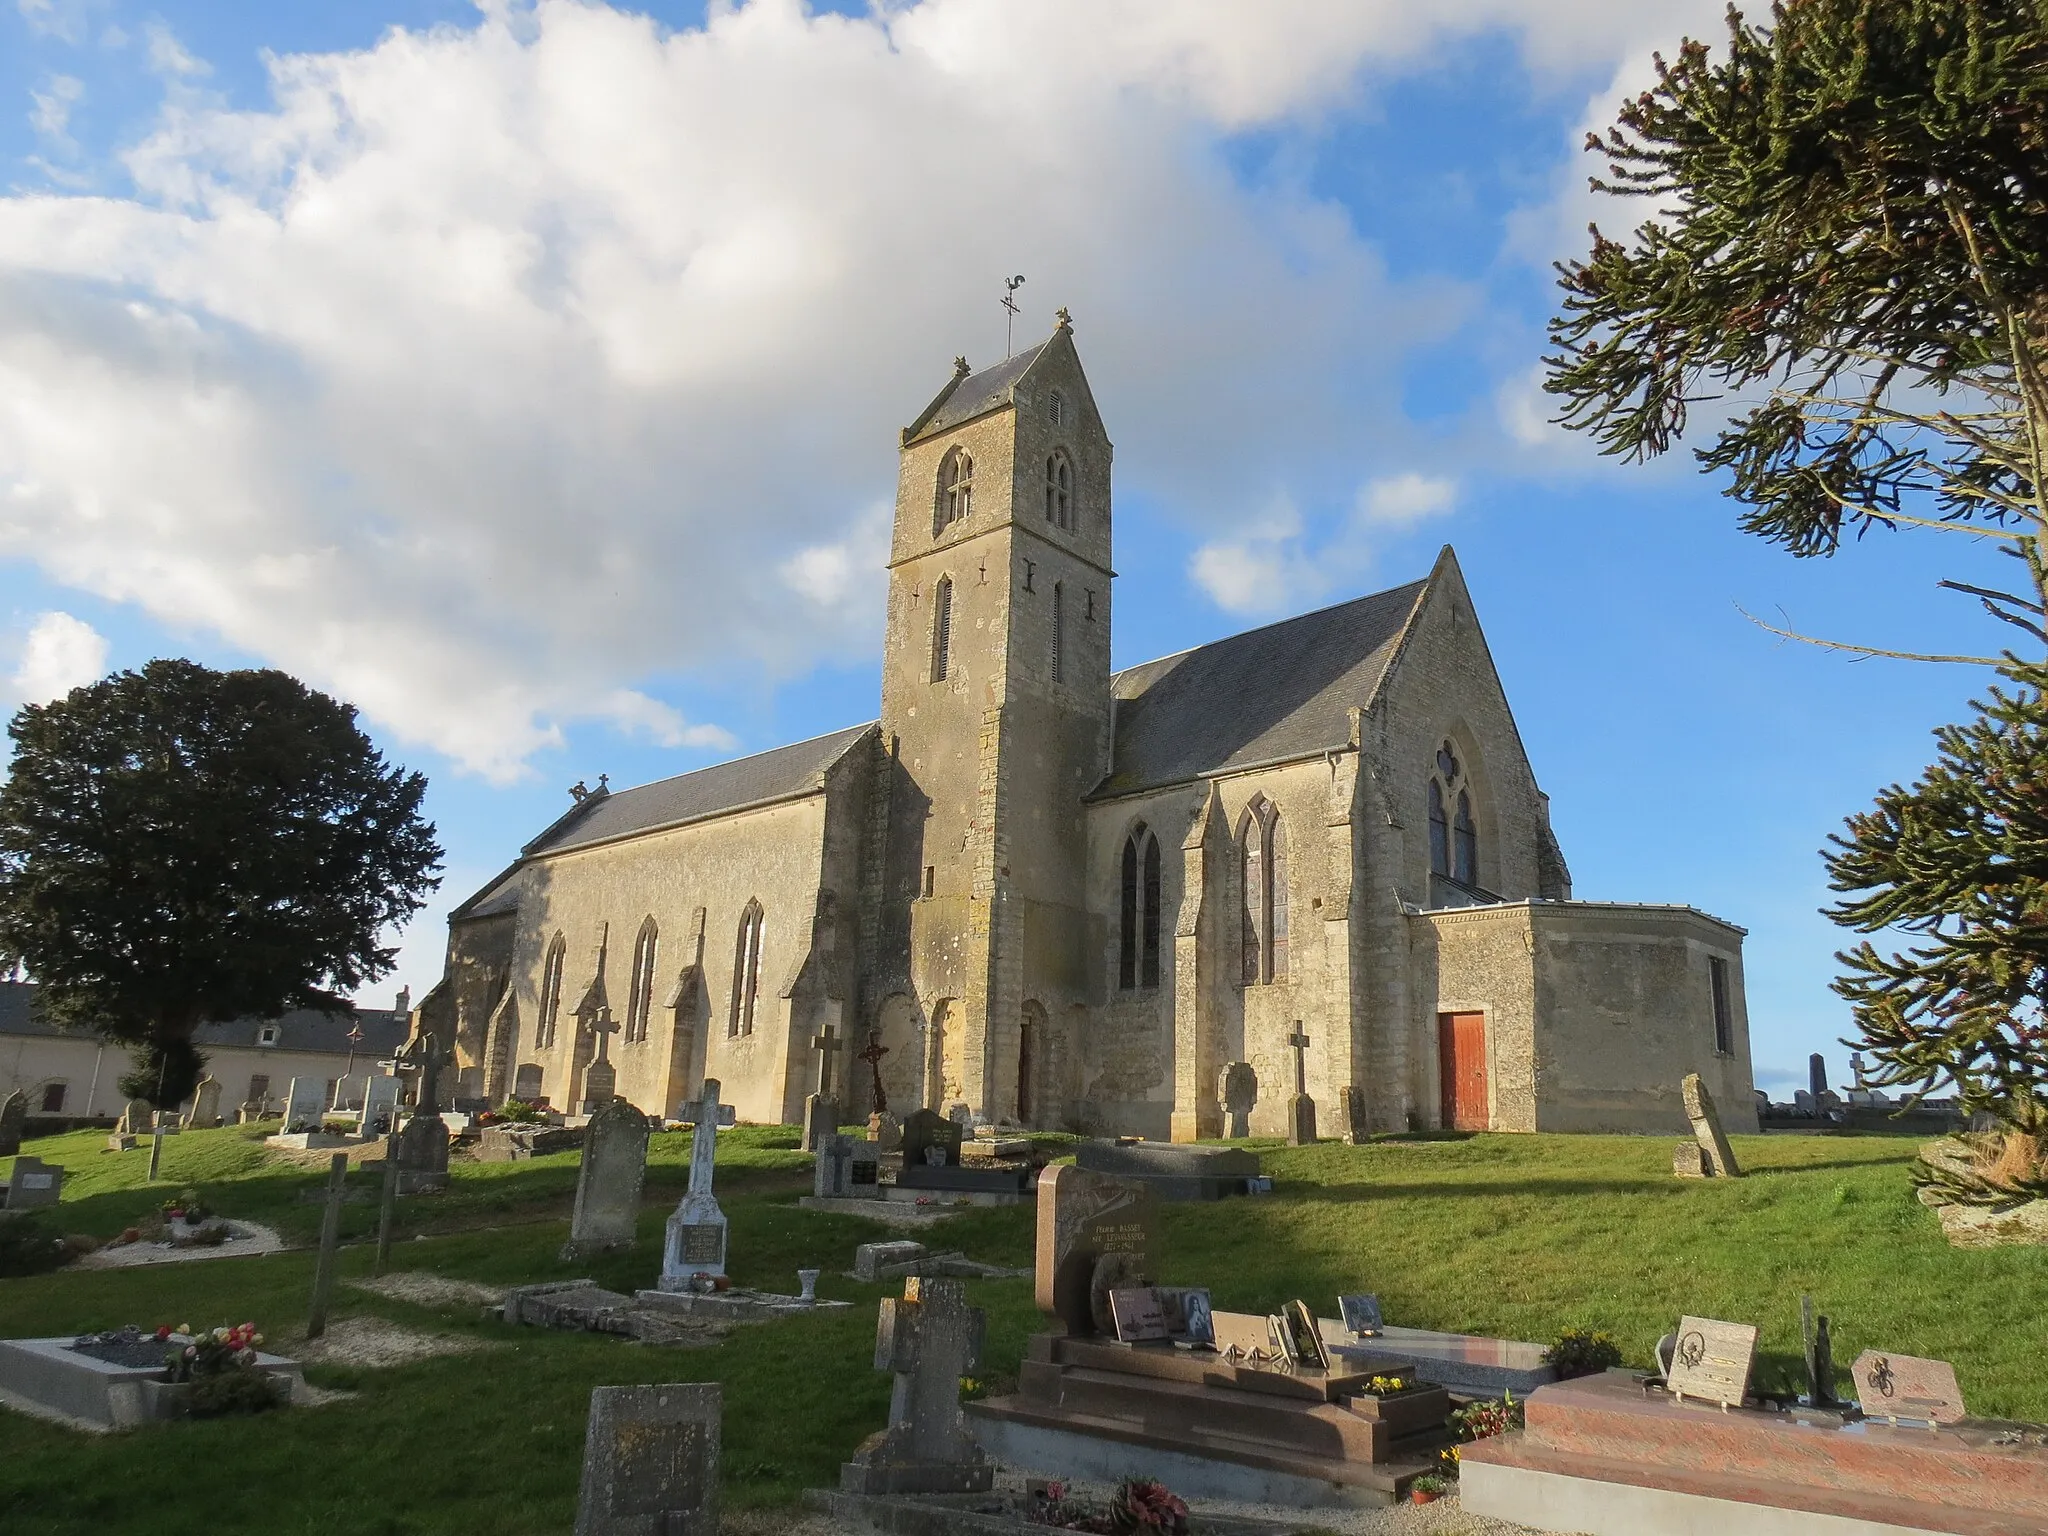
1521 1236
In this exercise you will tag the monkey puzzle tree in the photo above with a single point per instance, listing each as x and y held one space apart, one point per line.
1847 234
179 845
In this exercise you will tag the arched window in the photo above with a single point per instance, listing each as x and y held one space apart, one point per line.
640 999
1453 828
1138 926
1262 860
1059 489
1465 842
942 628
746 971
1056 409
1059 631
953 497
1439 831
550 993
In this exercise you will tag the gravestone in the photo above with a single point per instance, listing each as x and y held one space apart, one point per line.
380 1105
1806 1103
608 1182
1239 1092
929 1340
33 1183
1351 1111
305 1105
1816 1075
821 1109
1715 1155
1301 1109
1091 1226
601 1078
885 1131
13 1120
1711 1361
423 1154
871 1261
927 1129
650 1461
832 1174
137 1117
695 1242
1907 1387
206 1103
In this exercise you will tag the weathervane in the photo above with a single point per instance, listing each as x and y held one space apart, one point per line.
1010 287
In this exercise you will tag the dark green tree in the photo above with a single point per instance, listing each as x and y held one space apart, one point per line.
180 846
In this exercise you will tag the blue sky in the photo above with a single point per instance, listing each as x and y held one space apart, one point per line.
528 375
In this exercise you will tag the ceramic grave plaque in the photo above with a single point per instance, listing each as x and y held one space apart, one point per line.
1140 1319
1712 1360
1083 1219
1907 1387
1362 1318
1189 1316
650 1462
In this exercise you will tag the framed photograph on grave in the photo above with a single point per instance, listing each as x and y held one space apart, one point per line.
1280 1334
1140 1319
1307 1335
1362 1318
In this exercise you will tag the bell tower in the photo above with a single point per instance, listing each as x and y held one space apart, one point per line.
995 719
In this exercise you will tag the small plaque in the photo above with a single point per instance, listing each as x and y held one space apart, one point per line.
1907 1387
1712 1360
703 1243
1362 1318
1140 1319
38 1180
1308 1336
1189 1319
1280 1334
866 1171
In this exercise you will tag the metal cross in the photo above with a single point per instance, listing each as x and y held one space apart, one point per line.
1300 1043
873 1057
1010 287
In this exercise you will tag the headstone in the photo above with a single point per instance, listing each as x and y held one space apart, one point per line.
1816 1075
961 1115
929 1340
137 1116
885 1131
1689 1161
1712 1361
1301 1109
1085 1221
13 1120
1240 1091
1706 1128
832 1177
608 1182
1352 1112
864 1171
821 1109
380 1105
305 1105
1907 1387
1362 1318
601 1078
1807 1104
650 1461
33 1183
206 1103
422 1154
695 1242
925 1131
872 1260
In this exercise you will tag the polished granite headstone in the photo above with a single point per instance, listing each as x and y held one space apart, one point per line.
1174 1171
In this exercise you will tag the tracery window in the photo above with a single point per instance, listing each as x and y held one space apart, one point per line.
953 496
746 971
1138 929
1453 829
550 993
640 998
942 628
1262 865
1059 489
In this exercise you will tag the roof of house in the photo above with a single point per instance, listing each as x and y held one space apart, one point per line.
975 395
1267 695
303 1029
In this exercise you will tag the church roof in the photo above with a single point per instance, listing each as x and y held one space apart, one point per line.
1267 695
975 395
713 791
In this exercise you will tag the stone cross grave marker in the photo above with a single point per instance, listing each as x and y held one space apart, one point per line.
1907 1387
1708 1155
13 1120
929 1340
650 1461
832 1174
1351 1113
695 1243
608 1182
1301 1109
380 1103
1089 1222
1240 1091
305 1104
821 1109
928 1129
1711 1361
33 1183
206 1103
872 1054
601 1078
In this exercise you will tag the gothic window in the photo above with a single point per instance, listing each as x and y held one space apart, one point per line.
1453 828
1138 912
746 971
1262 861
1439 831
640 1000
1465 842
953 496
1056 409
942 628
1059 489
1059 631
550 993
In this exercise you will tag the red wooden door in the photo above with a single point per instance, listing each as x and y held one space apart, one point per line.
1461 1047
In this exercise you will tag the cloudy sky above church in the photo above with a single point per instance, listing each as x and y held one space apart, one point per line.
529 375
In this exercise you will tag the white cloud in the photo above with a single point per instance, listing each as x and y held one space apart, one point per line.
489 373
167 56
66 20
51 117
1401 501
59 654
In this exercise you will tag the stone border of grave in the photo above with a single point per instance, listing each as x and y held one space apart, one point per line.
996 1513
246 1239
50 1379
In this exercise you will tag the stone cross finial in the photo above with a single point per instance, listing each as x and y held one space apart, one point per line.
1066 321
825 1043
873 1057
1299 1042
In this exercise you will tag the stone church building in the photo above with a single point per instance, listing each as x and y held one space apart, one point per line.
1068 897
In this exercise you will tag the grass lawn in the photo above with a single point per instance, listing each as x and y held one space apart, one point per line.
1515 1235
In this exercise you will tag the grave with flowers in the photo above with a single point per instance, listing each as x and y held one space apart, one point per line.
131 1375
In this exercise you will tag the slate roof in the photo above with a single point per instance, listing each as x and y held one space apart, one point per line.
977 395
303 1029
712 791
1269 694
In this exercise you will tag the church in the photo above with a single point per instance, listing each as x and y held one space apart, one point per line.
1067 897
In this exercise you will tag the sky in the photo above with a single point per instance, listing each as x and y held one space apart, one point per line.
528 375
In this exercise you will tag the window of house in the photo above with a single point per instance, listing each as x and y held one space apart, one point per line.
267 1035
640 999
1059 631
746 970
1262 866
953 496
1724 1016
1138 912
1056 408
1059 489
550 993
53 1098
942 628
